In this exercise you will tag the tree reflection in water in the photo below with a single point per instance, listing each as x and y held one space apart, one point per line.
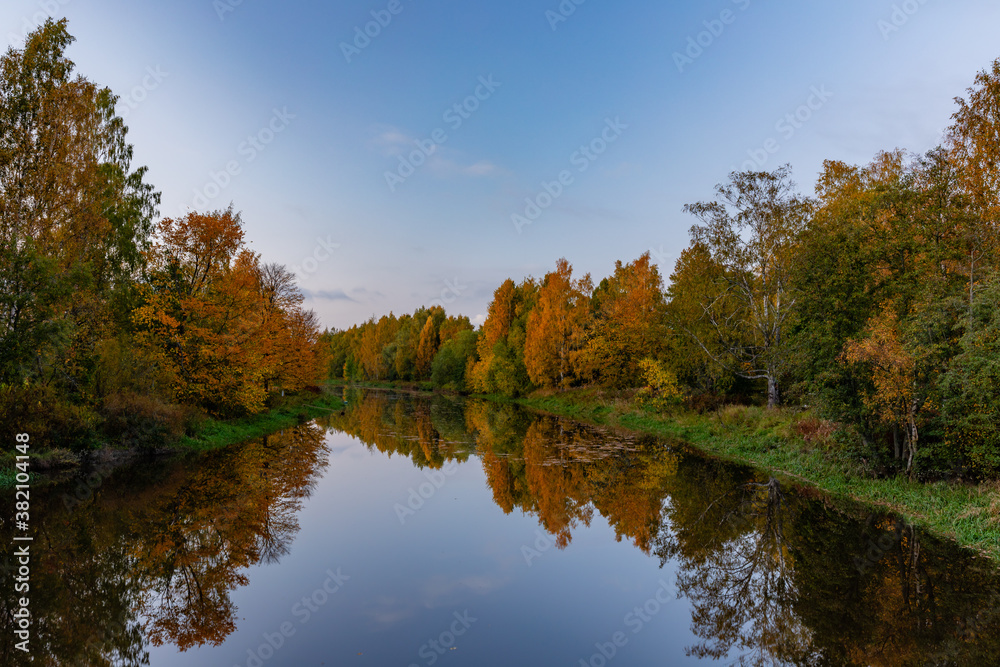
155 557
770 572
737 568
229 514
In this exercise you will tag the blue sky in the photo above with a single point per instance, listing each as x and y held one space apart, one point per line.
284 110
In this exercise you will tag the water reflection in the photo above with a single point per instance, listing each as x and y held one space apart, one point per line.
153 556
772 575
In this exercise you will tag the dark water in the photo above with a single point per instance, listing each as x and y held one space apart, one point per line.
412 531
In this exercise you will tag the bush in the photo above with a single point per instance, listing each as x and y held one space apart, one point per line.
815 431
661 390
51 421
134 420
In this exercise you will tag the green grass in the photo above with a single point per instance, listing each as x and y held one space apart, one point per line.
217 433
771 440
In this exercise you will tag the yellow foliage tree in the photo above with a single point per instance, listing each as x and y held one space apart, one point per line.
426 349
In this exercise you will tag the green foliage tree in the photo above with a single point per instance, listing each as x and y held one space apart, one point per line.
448 367
75 217
971 388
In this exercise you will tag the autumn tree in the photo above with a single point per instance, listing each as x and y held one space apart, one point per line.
375 336
974 139
426 348
890 231
453 326
288 335
75 217
896 398
200 312
628 324
499 366
751 231
557 327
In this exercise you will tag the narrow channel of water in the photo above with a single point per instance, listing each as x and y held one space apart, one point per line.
436 531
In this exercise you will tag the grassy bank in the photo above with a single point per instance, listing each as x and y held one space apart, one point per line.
794 445
210 434
286 412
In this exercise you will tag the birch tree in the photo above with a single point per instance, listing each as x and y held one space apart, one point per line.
750 232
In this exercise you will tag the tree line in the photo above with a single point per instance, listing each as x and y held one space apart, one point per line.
873 302
116 326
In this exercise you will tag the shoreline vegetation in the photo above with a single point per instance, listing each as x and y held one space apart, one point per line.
790 444
52 465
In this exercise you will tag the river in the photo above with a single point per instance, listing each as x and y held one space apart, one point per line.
417 531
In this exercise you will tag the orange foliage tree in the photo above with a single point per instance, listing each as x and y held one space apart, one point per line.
224 328
426 348
629 323
893 372
556 327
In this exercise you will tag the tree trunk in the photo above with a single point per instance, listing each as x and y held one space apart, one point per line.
773 393
912 437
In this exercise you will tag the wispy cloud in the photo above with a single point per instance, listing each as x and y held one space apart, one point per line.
328 295
391 141
443 162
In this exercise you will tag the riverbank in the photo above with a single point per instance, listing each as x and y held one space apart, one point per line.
289 411
50 465
796 447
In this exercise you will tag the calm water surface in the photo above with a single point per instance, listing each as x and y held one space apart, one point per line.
433 531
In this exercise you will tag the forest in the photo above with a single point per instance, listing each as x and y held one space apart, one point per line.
117 327
871 303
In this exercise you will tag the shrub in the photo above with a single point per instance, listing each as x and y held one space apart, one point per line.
51 421
449 365
661 390
134 420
